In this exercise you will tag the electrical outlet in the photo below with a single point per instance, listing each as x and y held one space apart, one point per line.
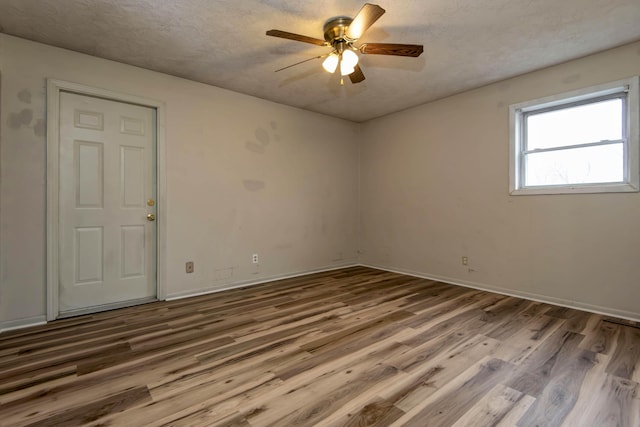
254 258
465 260
189 267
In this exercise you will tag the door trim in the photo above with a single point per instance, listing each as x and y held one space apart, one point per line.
54 87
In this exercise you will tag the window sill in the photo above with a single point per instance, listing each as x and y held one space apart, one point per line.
576 189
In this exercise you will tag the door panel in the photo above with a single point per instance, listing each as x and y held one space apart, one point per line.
89 174
132 177
107 174
88 255
133 251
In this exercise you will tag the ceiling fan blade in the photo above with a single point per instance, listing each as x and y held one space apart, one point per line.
296 37
413 50
363 20
357 76
301 62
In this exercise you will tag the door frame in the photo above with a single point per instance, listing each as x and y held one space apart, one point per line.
54 87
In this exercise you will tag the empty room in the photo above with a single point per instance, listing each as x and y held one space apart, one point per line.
289 213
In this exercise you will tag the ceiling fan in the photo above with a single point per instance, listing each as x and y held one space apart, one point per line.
341 33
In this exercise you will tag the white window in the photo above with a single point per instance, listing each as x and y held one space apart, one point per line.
580 142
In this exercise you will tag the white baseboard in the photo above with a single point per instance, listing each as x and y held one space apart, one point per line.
607 311
243 284
22 323
41 320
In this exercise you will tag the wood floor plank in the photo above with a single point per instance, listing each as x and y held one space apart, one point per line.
207 418
292 394
613 405
564 372
379 412
59 360
350 347
625 361
494 407
601 337
520 321
83 414
452 401
336 389
521 344
207 394
438 371
383 336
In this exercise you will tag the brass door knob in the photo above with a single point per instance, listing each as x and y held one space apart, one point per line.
151 217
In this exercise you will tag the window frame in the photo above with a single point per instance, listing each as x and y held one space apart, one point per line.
631 137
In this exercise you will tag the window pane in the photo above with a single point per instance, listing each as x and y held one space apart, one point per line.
588 165
595 122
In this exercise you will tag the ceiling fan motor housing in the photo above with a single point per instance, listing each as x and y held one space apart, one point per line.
335 29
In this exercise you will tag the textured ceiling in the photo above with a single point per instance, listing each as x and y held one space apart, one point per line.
467 43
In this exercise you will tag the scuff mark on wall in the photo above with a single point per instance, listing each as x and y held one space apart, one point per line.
25 96
274 127
254 146
223 273
40 128
257 147
253 184
263 136
572 78
23 118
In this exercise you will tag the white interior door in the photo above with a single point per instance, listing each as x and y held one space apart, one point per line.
107 192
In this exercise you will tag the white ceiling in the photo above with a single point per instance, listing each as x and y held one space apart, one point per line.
467 43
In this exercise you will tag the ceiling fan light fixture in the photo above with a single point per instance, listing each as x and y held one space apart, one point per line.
331 62
345 70
348 62
350 58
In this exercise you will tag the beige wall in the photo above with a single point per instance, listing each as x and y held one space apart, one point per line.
244 175
434 187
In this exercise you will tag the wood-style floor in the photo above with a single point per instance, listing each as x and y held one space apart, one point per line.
350 347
